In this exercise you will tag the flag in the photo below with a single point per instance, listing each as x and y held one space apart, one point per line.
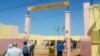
63 28
58 28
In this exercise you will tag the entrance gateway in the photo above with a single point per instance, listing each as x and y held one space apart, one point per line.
85 48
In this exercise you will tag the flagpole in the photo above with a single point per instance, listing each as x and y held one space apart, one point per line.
57 34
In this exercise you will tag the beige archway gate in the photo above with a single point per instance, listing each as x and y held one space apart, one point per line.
67 25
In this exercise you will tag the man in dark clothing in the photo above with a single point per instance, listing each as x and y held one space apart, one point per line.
74 44
59 48
26 49
32 48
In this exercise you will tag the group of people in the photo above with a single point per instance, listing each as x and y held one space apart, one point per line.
45 43
56 46
74 44
61 47
26 50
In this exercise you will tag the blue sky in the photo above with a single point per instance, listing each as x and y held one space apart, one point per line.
43 22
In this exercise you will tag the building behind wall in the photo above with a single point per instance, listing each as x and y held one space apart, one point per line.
95 24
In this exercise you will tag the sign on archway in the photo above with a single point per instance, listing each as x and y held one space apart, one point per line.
48 6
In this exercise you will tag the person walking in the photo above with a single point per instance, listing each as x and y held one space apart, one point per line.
10 46
32 46
14 51
59 48
51 49
26 49
64 47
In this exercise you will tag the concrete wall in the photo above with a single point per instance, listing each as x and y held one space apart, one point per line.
8 31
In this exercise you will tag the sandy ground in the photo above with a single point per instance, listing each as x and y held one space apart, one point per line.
43 51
